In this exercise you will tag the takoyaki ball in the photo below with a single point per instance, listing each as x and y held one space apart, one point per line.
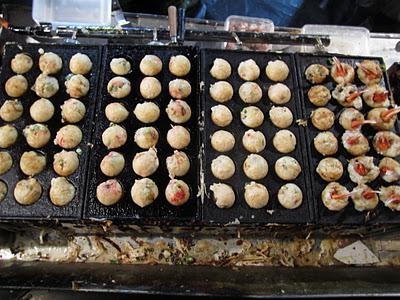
342 73
109 192
355 142
369 72
221 91
319 95
326 143
16 86
120 66
178 164
221 115
37 135
335 196
279 93
177 192
284 141
150 87
287 168
116 112
250 92
362 169
42 110
119 87
68 137
32 163
252 116
254 141
316 73
27 191
290 196
330 169
256 195
150 65
221 69
6 162
351 119
178 111
390 196
347 96
112 164
46 86
145 163
223 167
322 118
80 64
179 65
11 110
389 169
8 136
179 88
383 117
61 191
146 137
277 70
73 111
77 86
147 112
387 143
255 167
281 116
50 63
222 141
114 136
248 70
65 163
223 195
21 63
364 198
178 137
376 96
144 191
3 190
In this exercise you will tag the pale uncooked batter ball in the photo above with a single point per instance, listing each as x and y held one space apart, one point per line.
221 69
287 168
277 70
144 192
179 88
77 86
178 111
255 167
3 190
42 110
223 195
120 66
146 137
73 111
116 112
150 87
8 136
145 163
256 195
119 87
65 162
68 137
281 116
223 167
284 141
222 141
11 110
252 116
114 136
16 86
37 135
80 64
248 70
177 192
221 91
6 162
279 93
21 63
27 191
109 192
179 65
250 92
46 86
147 112
178 164
254 141
150 65
32 163
50 63
178 137
112 164
61 191
322 118
221 115
326 143
290 196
